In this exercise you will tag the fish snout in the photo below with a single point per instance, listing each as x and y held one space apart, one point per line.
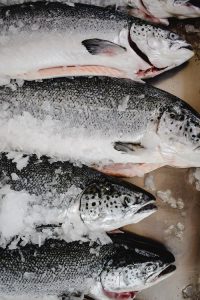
112 203
168 258
138 202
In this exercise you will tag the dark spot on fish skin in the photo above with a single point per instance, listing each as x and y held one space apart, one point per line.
193 136
180 127
190 129
93 203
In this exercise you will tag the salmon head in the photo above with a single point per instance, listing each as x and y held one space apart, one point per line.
111 203
160 48
137 264
179 128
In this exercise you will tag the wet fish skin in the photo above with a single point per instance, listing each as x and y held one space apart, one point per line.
101 202
56 39
156 11
164 9
58 267
56 116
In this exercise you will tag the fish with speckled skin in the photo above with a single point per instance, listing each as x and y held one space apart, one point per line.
112 271
101 122
63 191
157 11
56 39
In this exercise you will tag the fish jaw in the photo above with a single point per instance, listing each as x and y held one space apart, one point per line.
108 205
166 272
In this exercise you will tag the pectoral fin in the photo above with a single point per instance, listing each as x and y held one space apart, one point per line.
103 47
127 147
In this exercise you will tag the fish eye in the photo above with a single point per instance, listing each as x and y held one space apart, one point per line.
173 36
150 268
127 200
106 187
179 2
177 117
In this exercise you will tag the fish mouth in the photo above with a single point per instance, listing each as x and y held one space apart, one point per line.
148 208
197 148
188 47
168 270
143 212
163 274
146 211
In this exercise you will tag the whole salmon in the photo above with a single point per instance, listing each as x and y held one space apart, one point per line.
113 271
57 197
45 40
157 11
99 121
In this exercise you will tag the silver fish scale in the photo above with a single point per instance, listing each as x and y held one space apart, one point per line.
58 16
53 268
92 104
44 178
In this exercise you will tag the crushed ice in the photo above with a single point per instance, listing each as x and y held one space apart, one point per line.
194 178
25 218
